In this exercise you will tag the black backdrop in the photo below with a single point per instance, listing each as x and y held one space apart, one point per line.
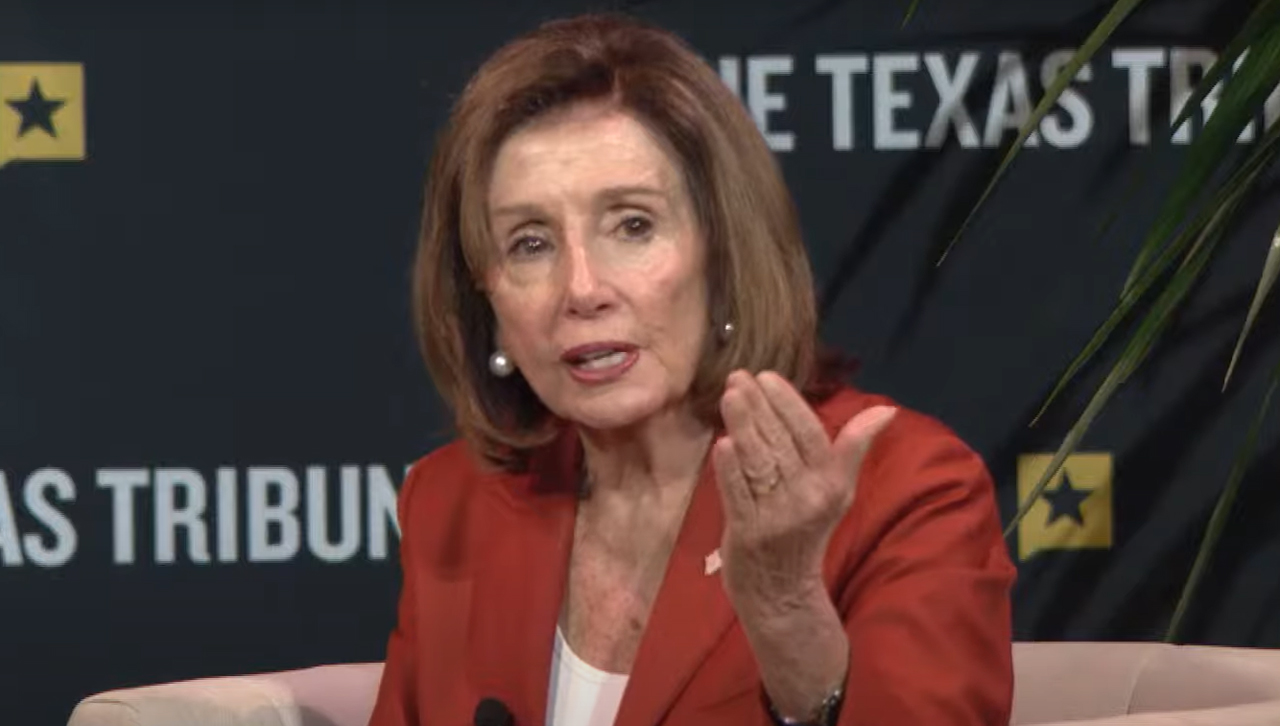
209 389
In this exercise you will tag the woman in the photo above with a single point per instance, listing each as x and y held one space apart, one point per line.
664 508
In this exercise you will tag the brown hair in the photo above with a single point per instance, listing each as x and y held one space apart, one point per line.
757 268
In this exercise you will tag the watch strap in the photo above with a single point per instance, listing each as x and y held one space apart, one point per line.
826 714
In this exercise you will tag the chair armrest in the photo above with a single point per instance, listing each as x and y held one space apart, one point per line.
331 695
1251 714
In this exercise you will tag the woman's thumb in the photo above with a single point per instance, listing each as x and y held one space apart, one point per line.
855 438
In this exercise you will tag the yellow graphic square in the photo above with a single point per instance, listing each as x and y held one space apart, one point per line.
41 111
1082 487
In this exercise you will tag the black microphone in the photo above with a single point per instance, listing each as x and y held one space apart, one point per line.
492 712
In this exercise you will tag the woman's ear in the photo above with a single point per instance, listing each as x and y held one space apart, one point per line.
483 281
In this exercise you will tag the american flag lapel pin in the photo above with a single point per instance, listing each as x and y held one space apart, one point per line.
712 563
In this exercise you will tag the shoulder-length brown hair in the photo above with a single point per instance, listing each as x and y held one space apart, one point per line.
757 269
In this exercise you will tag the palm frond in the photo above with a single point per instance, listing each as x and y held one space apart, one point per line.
1221 510
1096 39
1140 344
1270 268
1242 97
1260 158
911 12
1263 17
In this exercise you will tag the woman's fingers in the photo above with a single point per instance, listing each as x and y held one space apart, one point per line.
735 493
754 457
807 433
770 429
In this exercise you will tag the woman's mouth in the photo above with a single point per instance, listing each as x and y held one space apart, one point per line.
600 362
597 361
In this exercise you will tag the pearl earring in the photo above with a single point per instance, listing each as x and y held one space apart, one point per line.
726 331
500 364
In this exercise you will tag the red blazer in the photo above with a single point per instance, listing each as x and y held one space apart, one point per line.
918 570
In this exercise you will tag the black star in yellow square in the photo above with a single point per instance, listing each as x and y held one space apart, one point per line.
1074 511
41 111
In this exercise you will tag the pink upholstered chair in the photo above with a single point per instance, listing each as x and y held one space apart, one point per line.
1081 684
1145 684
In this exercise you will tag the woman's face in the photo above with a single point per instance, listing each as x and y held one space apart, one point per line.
599 287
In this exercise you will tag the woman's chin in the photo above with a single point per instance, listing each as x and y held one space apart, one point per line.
614 412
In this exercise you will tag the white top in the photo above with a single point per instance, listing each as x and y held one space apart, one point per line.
581 694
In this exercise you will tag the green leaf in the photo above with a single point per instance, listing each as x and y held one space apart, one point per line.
1242 96
1267 12
911 11
1270 268
1140 345
1236 185
1218 520
1100 34
1264 16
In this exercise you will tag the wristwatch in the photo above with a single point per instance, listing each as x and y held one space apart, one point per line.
826 714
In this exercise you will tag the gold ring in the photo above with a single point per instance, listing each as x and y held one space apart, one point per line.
770 485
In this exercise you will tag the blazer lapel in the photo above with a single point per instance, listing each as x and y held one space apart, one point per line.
520 581
690 614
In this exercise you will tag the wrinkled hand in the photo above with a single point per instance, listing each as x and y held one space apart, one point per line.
784 485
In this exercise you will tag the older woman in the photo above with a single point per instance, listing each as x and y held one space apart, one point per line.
664 508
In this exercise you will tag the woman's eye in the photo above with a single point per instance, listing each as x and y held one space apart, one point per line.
636 227
528 245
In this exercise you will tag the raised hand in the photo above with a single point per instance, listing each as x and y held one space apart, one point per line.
784 485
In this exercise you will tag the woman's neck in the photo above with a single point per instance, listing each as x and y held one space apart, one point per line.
660 456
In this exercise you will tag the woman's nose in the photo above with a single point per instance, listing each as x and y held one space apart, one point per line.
587 291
